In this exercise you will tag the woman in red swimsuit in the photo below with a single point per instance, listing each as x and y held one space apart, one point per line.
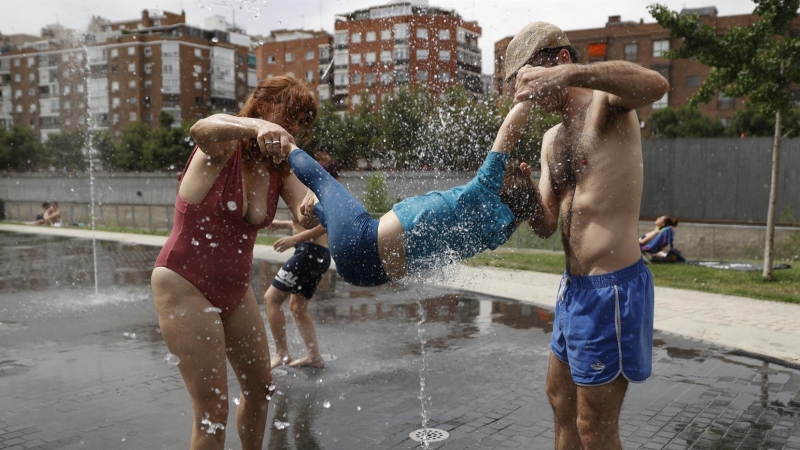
201 284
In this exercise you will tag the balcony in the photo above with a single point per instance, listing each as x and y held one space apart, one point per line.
340 90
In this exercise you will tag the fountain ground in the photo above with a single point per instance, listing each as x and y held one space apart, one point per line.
86 371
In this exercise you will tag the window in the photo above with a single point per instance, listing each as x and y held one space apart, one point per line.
597 51
444 34
67 105
31 77
370 79
32 108
114 52
32 92
386 34
115 102
401 76
17 78
355 38
166 68
132 101
309 55
115 119
356 78
631 52
371 36
115 86
693 81
131 50
422 75
148 68
19 108
148 117
422 53
444 55
400 31
270 59
422 33
132 84
725 102
663 70
198 85
289 57
310 76
197 68
132 68
16 62
356 99
340 79
401 53
369 58
198 53
132 117
386 78
81 88
65 90
386 56
660 47
355 58
662 103
148 52
148 83
18 94
444 77
340 39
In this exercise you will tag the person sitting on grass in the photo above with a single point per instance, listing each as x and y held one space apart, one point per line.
424 233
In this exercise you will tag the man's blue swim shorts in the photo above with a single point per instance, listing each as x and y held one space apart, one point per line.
604 325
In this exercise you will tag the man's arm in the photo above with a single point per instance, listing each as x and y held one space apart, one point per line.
630 85
513 125
550 202
280 225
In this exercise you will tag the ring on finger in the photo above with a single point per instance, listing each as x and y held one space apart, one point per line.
273 142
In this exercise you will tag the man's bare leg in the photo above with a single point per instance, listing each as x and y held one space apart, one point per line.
563 395
273 301
305 325
598 414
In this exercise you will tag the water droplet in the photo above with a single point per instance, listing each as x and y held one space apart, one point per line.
236 401
319 260
127 335
213 245
124 439
209 236
281 425
244 236
358 408
195 242
212 427
172 359
326 404
215 39
232 205
212 309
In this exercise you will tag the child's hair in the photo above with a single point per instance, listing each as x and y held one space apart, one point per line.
519 193
670 221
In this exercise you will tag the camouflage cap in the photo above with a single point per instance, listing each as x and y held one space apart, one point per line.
531 40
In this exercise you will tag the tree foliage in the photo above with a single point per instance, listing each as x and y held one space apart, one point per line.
752 122
21 150
686 121
66 151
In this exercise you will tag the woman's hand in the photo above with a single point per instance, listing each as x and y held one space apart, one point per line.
274 141
307 207
283 244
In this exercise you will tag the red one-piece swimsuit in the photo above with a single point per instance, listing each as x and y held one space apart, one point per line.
211 245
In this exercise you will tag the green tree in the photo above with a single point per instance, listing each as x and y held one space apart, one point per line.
751 121
167 147
376 199
404 128
759 61
66 150
21 150
129 153
686 121
104 150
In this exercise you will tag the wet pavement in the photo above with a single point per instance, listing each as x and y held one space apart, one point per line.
70 376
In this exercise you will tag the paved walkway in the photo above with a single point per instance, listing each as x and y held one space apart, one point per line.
756 326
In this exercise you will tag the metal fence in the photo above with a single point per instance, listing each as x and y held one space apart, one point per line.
719 180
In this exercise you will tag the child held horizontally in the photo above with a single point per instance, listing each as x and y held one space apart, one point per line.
423 233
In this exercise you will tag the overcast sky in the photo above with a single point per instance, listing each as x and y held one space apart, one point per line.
498 18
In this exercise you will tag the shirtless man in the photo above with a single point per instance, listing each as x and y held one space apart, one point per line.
592 176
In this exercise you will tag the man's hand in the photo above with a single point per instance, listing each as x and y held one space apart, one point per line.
536 82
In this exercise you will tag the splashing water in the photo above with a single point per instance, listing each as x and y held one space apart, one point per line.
172 359
423 401
212 309
281 425
212 427
90 125
326 404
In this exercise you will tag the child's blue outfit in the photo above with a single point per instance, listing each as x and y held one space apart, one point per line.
440 226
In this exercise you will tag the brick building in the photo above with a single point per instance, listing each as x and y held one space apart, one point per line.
403 43
128 71
301 53
645 44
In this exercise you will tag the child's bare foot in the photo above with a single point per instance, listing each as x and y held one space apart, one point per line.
279 360
308 361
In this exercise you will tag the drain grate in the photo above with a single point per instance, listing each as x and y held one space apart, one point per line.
429 435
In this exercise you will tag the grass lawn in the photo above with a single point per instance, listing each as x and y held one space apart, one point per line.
785 288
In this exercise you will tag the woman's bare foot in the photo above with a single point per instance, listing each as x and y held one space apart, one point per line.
308 361
279 360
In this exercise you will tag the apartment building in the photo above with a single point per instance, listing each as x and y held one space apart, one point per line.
121 72
302 53
403 43
646 44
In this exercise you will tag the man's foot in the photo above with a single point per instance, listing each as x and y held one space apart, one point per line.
308 361
279 360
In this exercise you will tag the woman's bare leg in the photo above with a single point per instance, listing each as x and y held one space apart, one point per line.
273 303
248 353
305 325
197 338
